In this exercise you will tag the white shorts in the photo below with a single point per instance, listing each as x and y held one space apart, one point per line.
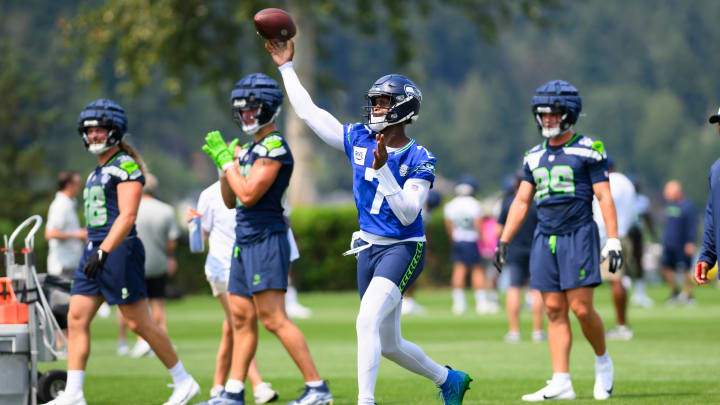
217 286
294 252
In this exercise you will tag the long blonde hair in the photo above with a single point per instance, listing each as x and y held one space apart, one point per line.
125 147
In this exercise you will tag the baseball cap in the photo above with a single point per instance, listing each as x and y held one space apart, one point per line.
715 118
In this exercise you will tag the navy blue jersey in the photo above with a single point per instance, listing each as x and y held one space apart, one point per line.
563 177
680 223
521 244
410 162
266 216
100 194
711 234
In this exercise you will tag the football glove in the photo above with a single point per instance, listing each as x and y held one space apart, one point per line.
499 257
613 252
221 153
94 263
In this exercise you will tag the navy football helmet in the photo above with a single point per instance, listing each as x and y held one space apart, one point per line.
405 97
259 93
466 185
107 114
556 96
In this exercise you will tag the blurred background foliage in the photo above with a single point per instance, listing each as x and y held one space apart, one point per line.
641 68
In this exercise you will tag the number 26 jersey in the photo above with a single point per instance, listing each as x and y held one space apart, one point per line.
409 162
563 177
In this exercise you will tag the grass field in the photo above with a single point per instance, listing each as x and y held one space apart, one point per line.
673 359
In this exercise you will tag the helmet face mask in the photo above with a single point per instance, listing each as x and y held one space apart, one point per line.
556 97
398 96
256 101
106 114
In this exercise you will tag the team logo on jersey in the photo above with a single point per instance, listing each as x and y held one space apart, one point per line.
359 155
404 169
551 158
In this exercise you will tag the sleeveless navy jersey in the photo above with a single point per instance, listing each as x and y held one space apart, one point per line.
563 177
412 161
266 216
100 194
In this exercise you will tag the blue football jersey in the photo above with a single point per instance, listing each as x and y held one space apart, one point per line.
410 162
266 216
100 194
563 177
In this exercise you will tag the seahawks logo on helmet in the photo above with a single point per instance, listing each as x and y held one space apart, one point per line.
404 95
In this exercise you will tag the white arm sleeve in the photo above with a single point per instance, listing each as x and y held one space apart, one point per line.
405 202
327 127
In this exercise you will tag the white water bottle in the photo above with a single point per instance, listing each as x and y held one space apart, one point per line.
195 235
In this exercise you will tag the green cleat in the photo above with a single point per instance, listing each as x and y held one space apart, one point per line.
454 387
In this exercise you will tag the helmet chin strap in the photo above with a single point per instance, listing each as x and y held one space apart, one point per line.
551 132
377 124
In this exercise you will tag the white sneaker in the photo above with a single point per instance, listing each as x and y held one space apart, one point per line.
620 332
216 390
183 392
642 300
122 348
296 310
512 337
539 336
264 393
603 381
410 307
553 390
491 307
141 348
68 399
104 311
459 307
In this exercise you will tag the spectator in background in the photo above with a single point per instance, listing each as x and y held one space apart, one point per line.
486 245
678 242
624 198
65 236
158 230
517 262
709 253
634 257
463 222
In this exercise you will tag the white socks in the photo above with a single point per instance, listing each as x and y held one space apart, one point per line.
74 382
560 378
314 384
602 361
291 295
378 331
234 386
481 296
178 373
458 296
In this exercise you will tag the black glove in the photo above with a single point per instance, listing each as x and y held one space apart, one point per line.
94 263
612 251
500 253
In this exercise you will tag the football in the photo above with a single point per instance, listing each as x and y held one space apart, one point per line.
274 23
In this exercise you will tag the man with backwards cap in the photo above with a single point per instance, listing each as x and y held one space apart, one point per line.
708 253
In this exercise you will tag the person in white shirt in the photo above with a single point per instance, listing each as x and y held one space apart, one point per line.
625 200
66 238
158 230
463 222
218 227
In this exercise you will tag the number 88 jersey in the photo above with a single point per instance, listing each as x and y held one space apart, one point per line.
563 177
409 162
100 194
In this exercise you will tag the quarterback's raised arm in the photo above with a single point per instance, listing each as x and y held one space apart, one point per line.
327 127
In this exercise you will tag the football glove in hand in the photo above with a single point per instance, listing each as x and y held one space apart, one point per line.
94 263
499 257
613 252
221 153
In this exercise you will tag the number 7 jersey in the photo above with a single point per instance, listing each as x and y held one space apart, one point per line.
563 177
412 161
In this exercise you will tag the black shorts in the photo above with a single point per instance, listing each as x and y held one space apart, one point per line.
156 286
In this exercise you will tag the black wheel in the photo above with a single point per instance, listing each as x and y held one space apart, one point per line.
50 384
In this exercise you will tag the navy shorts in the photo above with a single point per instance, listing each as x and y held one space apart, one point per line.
676 260
466 252
122 279
519 268
400 263
564 262
260 266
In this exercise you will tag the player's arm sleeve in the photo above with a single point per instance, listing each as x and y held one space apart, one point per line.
405 202
327 127
708 254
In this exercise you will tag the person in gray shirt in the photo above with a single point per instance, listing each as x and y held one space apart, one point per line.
159 233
